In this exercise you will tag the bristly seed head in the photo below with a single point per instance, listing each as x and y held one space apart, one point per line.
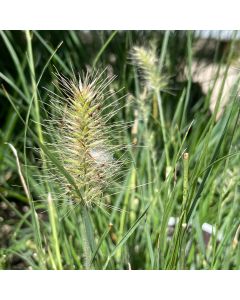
82 139
148 63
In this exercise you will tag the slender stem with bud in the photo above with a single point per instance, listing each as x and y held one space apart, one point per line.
148 63
82 143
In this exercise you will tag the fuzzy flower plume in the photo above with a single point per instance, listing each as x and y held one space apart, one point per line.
147 62
82 137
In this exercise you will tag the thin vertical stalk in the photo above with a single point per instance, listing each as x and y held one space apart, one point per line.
53 217
87 237
189 77
103 48
184 206
131 181
162 121
34 85
179 242
163 50
34 215
185 177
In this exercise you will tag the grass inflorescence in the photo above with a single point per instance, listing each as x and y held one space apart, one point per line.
83 137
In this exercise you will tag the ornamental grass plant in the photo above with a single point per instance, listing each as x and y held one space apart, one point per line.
110 156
